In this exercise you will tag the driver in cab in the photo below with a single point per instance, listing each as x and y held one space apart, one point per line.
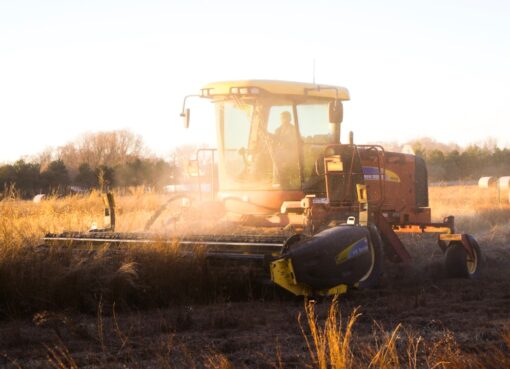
285 150
286 130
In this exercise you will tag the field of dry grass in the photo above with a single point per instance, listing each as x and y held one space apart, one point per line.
151 308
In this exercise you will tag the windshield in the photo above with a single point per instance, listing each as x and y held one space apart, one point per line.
262 147
315 134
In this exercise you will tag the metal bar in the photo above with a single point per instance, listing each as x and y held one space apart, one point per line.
234 256
117 240
420 228
391 239
300 144
231 243
446 227
207 254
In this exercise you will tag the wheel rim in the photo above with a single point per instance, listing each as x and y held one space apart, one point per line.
472 262
372 264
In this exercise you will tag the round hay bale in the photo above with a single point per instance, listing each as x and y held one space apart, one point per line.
38 198
486 182
504 183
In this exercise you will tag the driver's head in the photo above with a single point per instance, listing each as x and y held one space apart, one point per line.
285 117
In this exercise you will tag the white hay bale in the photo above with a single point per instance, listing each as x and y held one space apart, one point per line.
38 198
504 183
486 182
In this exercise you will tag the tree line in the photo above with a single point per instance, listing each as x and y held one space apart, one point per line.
27 179
471 163
104 159
119 159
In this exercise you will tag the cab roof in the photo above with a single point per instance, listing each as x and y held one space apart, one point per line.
254 87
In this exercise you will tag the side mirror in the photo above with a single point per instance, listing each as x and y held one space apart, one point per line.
185 117
336 111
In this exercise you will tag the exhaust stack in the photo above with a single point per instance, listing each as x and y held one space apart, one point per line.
336 115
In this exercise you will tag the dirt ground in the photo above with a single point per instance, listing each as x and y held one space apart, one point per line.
267 333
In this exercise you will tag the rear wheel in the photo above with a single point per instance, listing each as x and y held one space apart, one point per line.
373 275
459 264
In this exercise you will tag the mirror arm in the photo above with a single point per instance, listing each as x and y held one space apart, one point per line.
185 113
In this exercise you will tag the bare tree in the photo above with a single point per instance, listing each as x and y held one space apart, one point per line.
102 148
44 158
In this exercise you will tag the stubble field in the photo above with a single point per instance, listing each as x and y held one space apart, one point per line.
150 308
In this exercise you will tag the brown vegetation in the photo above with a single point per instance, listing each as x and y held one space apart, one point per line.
102 148
416 319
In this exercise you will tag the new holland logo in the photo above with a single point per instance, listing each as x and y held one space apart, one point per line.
358 248
374 174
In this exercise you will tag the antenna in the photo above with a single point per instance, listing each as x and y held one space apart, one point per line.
313 70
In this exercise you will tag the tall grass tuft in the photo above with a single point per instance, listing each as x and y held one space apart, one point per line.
334 345
330 345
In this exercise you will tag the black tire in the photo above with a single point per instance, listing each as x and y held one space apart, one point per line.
457 262
373 276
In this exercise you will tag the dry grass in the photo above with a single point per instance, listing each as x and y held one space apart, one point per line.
117 345
38 282
330 346
23 223
335 345
33 278
476 210
331 343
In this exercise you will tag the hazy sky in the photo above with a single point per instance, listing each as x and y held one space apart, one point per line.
414 68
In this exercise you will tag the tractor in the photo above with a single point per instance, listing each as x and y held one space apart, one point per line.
337 208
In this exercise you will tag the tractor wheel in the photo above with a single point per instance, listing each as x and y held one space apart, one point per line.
459 264
373 276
